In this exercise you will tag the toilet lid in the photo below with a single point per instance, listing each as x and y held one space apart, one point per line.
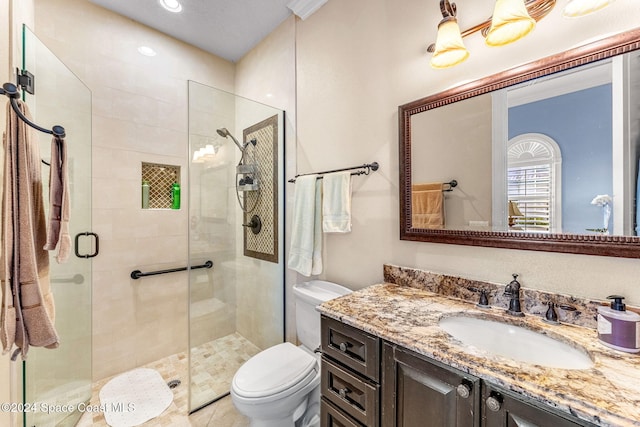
273 370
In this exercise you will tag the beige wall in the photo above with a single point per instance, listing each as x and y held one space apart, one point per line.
139 114
356 62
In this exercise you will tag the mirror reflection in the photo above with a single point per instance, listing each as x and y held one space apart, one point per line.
553 155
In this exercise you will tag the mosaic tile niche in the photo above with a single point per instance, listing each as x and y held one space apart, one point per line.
160 179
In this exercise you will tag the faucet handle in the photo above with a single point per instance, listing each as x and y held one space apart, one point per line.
551 316
484 300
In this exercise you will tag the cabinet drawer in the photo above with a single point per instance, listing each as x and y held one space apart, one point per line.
353 395
330 416
352 347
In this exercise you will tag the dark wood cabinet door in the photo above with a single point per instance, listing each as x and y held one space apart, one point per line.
420 392
504 409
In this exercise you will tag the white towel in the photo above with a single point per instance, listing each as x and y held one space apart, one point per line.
336 203
305 255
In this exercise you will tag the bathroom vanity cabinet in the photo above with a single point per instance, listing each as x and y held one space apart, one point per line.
367 381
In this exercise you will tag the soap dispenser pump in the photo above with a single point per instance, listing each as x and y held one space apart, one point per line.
617 327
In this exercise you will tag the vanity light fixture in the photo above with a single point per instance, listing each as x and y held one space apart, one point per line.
512 20
449 49
171 5
575 8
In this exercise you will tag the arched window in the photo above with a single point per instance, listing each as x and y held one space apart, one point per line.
534 166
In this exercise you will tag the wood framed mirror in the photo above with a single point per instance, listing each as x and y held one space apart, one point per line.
470 134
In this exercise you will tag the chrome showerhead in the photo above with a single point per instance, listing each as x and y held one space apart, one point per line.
223 132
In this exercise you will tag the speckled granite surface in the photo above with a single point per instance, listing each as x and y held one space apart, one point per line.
533 301
607 394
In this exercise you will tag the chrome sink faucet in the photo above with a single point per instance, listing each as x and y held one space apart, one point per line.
513 290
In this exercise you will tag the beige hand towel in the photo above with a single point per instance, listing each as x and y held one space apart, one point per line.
305 255
58 230
336 202
427 206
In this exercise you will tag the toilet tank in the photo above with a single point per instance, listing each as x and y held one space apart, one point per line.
308 296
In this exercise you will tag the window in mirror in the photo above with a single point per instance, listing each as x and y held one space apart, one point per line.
533 184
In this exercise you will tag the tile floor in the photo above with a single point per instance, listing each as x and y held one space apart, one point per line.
214 364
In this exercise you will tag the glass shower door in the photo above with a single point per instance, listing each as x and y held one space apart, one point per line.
62 376
236 308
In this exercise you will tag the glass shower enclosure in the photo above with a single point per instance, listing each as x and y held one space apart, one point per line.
62 376
236 215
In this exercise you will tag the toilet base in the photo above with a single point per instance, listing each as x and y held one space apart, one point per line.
289 421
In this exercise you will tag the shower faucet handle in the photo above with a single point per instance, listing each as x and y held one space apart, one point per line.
255 224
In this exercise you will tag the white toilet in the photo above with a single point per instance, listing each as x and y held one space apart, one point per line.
280 386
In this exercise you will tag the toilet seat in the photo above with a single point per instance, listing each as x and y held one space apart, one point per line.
276 372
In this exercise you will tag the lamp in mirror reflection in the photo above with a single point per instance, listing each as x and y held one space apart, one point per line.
511 20
514 212
605 201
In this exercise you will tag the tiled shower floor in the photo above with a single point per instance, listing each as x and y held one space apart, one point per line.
214 365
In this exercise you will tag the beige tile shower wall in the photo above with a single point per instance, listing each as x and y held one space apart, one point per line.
267 74
356 62
139 114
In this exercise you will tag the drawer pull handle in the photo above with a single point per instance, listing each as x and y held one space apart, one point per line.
343 392
494 402
344 346
464 390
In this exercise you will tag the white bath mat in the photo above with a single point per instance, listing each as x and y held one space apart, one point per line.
134 397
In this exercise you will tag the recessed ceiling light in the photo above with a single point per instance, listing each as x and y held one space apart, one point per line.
146 51
171 5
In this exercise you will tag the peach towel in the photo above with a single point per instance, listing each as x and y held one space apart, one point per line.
427 205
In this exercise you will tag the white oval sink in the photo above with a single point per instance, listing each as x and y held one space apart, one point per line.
515 342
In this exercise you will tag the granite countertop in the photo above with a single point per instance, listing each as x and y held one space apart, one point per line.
607 394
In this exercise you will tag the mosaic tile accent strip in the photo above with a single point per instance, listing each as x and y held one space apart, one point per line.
160 179
533 301
264 155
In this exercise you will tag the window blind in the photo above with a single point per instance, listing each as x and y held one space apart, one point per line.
530 187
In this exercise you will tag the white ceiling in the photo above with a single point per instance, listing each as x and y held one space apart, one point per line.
226 28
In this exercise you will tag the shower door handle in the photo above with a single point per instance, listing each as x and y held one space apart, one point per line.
97 240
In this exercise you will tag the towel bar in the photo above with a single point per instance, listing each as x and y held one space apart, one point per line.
367 166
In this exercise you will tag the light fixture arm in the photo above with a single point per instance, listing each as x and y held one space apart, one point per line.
537 9
449 10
